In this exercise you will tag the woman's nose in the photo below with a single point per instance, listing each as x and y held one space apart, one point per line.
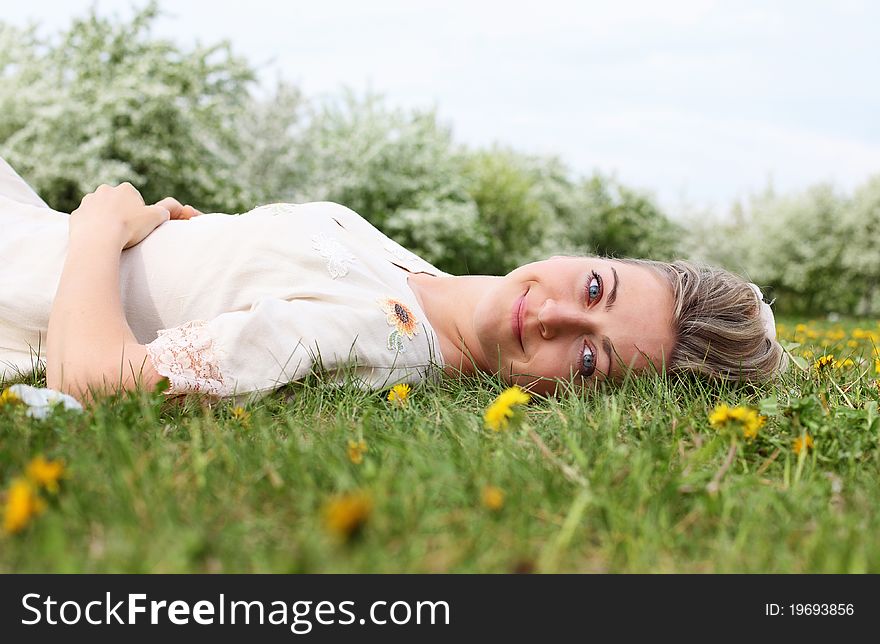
555 317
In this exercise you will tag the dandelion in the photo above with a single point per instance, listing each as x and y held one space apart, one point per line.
242 415
399 394
356 451
877 365
43 473
22 505
745 419
492 498
808 354
802 442
345 515
499 413
9 397
842 364
824 362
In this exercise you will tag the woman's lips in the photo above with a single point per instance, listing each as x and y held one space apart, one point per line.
517 318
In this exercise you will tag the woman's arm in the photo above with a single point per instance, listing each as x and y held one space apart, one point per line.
90 347
89 344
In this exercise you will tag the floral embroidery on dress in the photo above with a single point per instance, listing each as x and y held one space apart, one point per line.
186 355
338 257
279 208
403 323
401 253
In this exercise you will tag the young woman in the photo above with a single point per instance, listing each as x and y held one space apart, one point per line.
123 294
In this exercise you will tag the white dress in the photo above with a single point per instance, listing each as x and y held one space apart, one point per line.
234 304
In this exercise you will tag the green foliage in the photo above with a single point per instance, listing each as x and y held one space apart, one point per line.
512 215
800 249
106 101
376 160
816 249
861 254
622 222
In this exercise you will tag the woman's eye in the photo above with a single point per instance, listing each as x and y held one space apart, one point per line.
594 288
588 362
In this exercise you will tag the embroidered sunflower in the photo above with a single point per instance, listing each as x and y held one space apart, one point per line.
402 321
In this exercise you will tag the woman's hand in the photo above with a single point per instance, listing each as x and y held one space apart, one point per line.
121 213
177 210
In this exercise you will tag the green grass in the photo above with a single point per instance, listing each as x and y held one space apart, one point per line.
608 480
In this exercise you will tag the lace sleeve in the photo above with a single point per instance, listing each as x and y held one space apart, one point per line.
188 357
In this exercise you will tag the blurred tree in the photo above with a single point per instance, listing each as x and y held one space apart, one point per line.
377 160
273 161
515 214
621 222
861 241
796 244
107 102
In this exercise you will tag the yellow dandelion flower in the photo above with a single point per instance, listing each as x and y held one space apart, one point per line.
747 420
753 422
356 451
719 416
801 328
499 413
808 354
877 365
22 505
241 414
852 344
801 443
824 361
345 515
492 498
842 364
399 394
859 334
9 398
43 473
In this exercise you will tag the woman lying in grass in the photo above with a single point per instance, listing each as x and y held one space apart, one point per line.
120 294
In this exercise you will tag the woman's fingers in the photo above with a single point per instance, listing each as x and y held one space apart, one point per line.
159 212
172 205
177 210
145 222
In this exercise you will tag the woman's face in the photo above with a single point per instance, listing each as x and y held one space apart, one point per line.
574 318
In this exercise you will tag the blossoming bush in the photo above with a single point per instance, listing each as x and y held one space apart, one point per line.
107 101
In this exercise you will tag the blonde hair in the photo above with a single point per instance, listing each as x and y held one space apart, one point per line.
716 319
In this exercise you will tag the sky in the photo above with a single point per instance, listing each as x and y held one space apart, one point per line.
699 102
